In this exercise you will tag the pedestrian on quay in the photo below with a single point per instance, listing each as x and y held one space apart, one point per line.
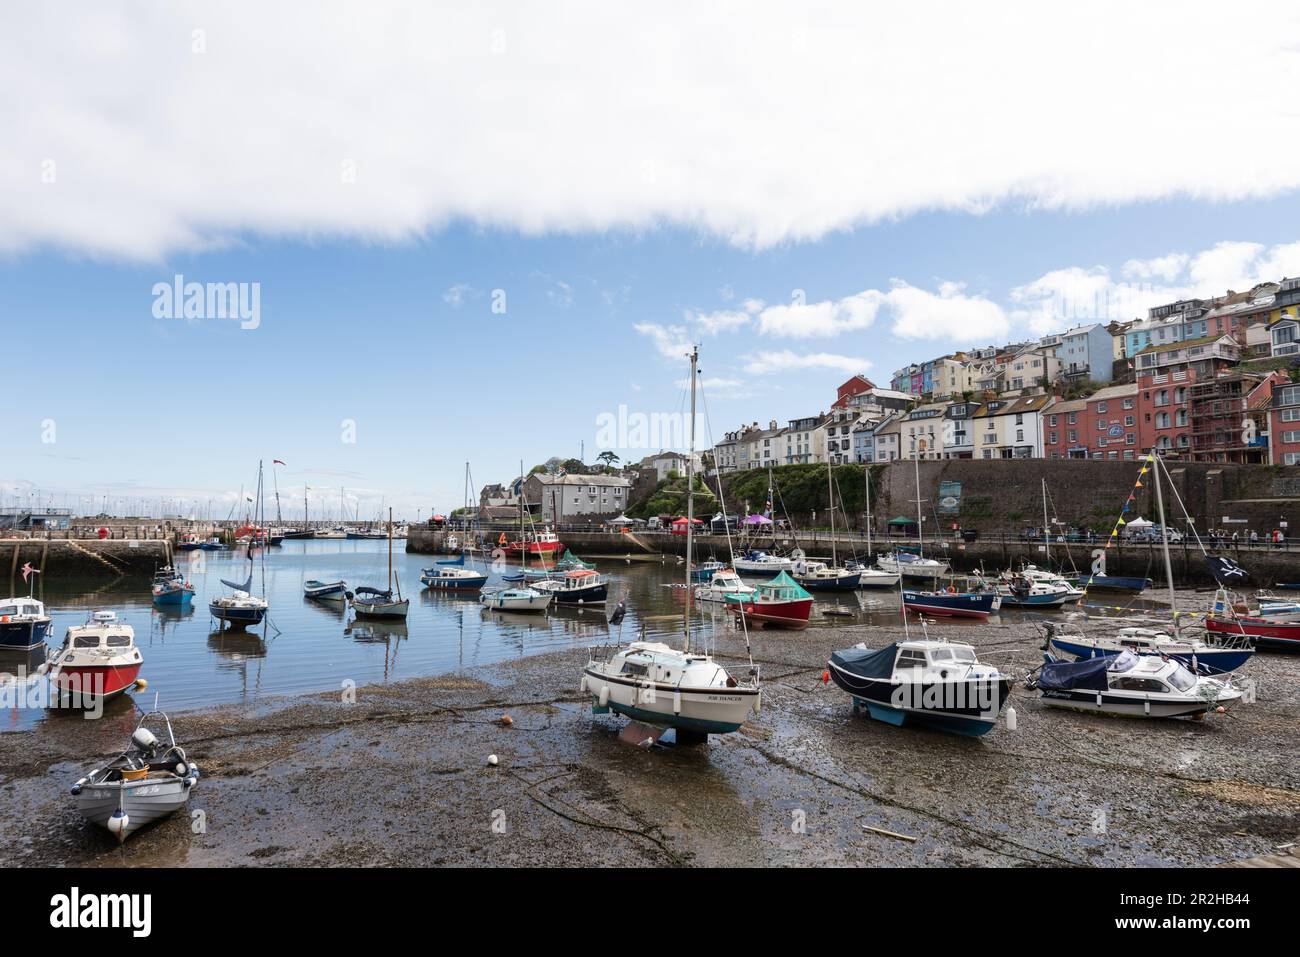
1234 537
1254 537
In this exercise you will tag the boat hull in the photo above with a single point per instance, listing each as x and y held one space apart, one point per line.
535 605
237 616
454 584
23 635
380 611
842 583
144 802
176 596
870 579
1084 700
701 711
326 591
1215 660
1118 583
952 606
968 708
782 614
595 594
1267 634
97 682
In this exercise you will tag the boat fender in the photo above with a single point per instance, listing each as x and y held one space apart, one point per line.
1146 705
1011 719
118 823
1098 699
604 696
181 769
758 703
141 684
582 685
677 702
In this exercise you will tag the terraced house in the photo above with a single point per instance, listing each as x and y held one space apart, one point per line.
1010 428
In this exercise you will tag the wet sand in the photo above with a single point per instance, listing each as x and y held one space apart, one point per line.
400 777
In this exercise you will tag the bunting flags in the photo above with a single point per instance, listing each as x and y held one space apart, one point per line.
1120 521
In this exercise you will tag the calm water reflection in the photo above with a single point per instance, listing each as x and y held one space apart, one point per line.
309 646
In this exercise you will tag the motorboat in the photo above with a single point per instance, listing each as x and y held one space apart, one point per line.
516 599
819 576
724 582
1217 656
909 565
213 544
1231 615
98 661
583 587
1041 576
953 603
325 591
871 577
169 587
189 542
368 602
757 562
335 533
1130 684
148 781
923 681
702 572
447 577
1017 591
652 682
544 543
781 602
23 624
1117 583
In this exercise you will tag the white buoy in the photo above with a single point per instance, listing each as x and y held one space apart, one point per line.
492 760
1011 719
118 823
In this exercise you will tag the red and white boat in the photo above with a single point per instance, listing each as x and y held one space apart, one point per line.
545 543
99 660
782 602
1231 615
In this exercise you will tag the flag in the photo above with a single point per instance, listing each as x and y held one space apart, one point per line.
1225 570
278 462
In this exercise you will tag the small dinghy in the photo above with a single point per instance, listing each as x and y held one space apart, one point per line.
146 782
1128 684
923 681
325 591
379 603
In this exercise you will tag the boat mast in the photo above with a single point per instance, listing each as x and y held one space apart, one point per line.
390 549
1164 536
1047 534
920 528
866 480
523 545
690 503
830 498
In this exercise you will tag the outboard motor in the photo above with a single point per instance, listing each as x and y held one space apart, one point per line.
145 740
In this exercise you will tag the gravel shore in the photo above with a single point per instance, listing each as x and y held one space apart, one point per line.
400 777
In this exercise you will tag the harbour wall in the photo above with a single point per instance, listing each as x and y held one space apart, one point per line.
104 559
993 553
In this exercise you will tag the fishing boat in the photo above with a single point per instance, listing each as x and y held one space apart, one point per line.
98 661
1274 606
172 590
23 622
189 543
781 602
724 582
379 603
213 544
584 587
516 599
1217 656
819 576
924 681
1017 591
1041 576
1129 684
704 571
325 591
446 576
954 603
652 682
756 562
542 544
145 783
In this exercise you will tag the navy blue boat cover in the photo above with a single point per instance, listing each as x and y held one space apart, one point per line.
1089 674
866 662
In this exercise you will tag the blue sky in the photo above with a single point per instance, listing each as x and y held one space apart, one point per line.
632 180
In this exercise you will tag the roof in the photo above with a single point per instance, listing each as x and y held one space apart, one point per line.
1186 343
582 480
1072 405
1114 392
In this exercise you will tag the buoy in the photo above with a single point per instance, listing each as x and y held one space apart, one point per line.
1220 710
1011 719
118 823
505 721
492 760
141 684
826 677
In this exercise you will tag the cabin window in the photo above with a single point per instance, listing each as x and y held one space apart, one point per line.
9 610
1182 680
118 641
634 669
941 654
911 659
85 641
964 655
1140 684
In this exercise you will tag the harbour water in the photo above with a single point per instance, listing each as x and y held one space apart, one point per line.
312 646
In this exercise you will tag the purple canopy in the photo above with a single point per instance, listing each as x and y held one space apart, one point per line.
757 520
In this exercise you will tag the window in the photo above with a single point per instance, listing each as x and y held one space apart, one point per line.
1289 396
1162 420
1051 420
1128 403
1020 435
1073 418
1180 394
1162 397
1053 437
1128 420
1101 406
1130 439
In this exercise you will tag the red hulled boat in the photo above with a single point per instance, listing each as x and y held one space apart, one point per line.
544 544
1267 631
99 660
781 602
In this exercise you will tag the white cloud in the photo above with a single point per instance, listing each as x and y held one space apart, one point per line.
671 341
805 320
1161 267
723 320
769 362
456 294
756 122
949 314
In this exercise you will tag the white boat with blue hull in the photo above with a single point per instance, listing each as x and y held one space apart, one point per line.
1200 657
448 577
146 782
924 681
515 599
1134 685
23 624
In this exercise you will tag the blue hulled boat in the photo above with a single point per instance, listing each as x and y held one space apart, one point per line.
1200 657
23 624
1118 583
954 604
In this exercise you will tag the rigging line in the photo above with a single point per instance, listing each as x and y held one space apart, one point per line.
1179 499
726 525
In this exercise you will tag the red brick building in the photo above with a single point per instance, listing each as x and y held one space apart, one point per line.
855 386
1103 426
1284 424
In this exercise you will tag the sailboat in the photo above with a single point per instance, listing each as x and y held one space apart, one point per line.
451 574
652 682
368 602
872 576
818 576
243 608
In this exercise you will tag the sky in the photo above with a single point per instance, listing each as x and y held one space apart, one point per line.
476 236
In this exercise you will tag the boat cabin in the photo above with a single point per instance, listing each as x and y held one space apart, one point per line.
21 608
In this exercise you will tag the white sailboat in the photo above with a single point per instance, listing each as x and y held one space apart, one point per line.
650 681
